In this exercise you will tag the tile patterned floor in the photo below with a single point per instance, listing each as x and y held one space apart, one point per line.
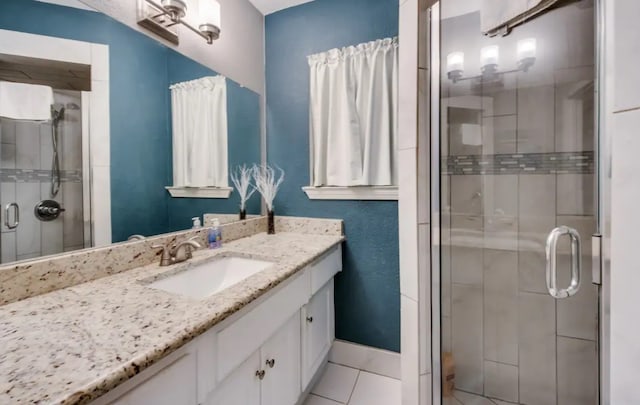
340 385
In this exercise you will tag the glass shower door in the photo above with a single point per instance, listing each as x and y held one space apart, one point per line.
30 174
517 161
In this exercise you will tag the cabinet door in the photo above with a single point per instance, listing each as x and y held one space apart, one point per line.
281 361
242 387
317 331
175 384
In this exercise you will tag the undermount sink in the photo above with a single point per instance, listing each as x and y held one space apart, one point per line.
205 279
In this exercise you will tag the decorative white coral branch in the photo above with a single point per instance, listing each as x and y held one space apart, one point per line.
266 183
241 178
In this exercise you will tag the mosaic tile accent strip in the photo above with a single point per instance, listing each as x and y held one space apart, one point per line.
520 163
38 176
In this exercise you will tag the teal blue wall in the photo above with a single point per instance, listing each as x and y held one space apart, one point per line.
141 70
367 292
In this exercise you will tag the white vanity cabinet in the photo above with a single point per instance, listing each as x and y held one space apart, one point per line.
266 354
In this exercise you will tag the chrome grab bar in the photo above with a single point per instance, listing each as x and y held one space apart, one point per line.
576 262
16 221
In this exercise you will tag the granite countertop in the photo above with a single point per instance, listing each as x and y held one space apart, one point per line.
72 345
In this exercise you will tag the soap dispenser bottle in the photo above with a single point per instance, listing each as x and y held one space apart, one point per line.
215 235
196 222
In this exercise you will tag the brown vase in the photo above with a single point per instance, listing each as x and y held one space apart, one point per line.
271 229
243 215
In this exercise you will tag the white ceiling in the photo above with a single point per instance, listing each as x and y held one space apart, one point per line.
271 6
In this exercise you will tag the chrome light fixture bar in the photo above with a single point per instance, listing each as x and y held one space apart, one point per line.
161 18
489 61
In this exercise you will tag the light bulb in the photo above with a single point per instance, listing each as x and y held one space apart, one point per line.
526 53
210 19
489 56
526 48
455 61
455 65
210 12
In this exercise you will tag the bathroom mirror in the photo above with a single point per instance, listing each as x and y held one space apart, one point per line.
96 170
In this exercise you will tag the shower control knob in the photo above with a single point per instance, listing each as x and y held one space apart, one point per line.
48 210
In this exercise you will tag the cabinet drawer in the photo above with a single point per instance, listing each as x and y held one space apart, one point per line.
323 270
247 334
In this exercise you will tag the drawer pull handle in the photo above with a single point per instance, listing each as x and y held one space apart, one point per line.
271 363
260 374
310 319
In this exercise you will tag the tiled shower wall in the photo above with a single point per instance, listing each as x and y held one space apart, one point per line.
518 161
25 178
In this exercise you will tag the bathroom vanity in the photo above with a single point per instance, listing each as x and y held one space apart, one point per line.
266 353
259 339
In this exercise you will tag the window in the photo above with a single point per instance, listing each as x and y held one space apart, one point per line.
199 115
353 122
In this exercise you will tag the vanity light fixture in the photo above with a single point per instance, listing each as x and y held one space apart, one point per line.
455 66
162 17
489 61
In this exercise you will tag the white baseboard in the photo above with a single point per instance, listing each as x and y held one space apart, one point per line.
365 358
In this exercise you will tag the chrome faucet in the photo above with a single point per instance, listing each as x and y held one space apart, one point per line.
178 253
182 251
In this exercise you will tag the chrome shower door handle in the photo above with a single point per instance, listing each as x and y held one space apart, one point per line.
576 262
16 220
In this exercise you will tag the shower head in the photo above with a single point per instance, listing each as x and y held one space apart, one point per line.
58 109
57 112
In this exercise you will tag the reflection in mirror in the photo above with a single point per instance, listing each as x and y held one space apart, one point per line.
223 218
97 138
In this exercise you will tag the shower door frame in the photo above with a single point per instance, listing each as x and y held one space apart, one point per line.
87 227
602 189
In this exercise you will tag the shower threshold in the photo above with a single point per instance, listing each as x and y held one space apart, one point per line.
466 398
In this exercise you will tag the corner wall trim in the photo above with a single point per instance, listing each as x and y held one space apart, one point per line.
366 358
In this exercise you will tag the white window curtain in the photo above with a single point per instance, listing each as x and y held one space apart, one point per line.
199 114
353 115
